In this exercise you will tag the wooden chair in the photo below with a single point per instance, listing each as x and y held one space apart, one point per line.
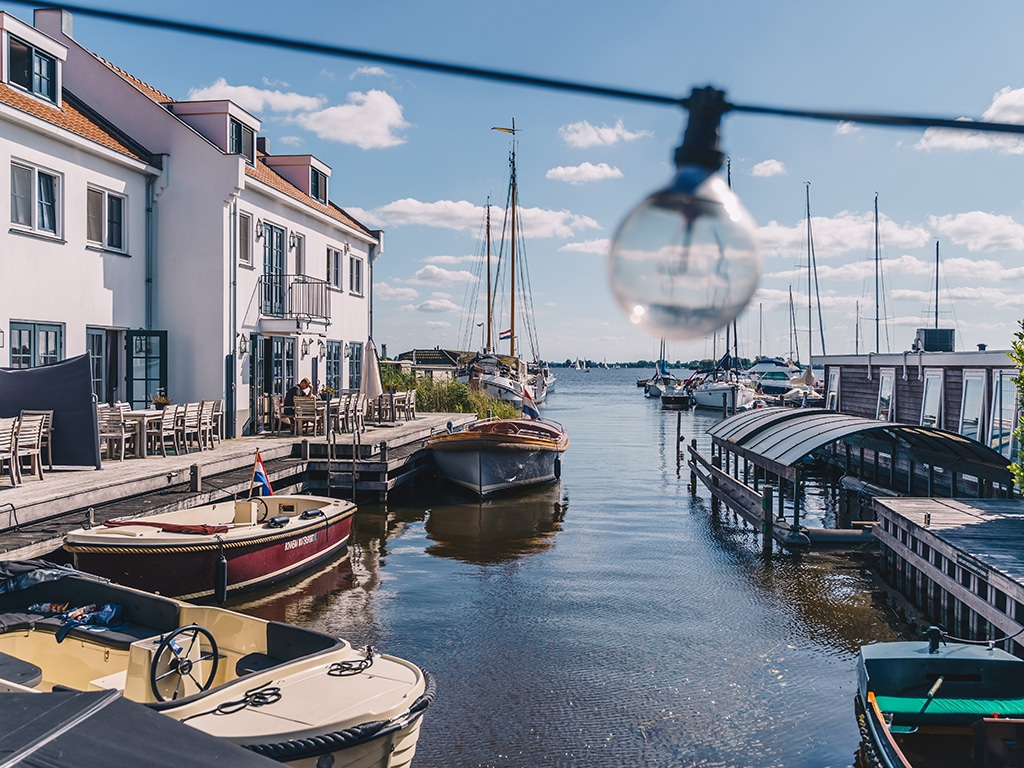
206 423
115 431
218 420
166 430
306 416
399 406
410 405
342 420
190 427
276 414
359 406
47 429
28 444
8 439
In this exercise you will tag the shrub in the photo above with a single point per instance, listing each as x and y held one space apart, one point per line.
448 396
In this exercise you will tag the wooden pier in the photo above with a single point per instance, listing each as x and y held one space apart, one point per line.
35 515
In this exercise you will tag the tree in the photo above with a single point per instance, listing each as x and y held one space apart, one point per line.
1016 354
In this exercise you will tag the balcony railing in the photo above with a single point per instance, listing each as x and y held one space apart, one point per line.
294 297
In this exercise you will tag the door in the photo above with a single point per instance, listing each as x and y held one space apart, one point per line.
273 270
145 366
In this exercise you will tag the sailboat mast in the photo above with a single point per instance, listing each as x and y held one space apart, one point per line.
515 216
936 283
810 324
490 298
856 343
877 326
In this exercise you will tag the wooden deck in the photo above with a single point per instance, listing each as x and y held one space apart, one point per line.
960 561
35 515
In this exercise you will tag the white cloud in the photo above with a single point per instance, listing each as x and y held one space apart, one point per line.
437 324
368 72
839 234
452 259
434 275
389 293
438 305
1007 107
583 173
980 231
769 168
582 134
370 120
256 100
291 141
588 246
846 127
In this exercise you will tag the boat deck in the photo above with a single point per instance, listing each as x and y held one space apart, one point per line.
35 515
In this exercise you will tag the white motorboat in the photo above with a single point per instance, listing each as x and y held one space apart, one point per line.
730 395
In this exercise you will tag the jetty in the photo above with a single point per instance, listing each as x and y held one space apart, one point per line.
369 465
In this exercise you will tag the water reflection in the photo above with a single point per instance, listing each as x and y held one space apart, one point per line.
497 530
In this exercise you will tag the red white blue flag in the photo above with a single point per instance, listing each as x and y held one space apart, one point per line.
260 478
505 335
530 407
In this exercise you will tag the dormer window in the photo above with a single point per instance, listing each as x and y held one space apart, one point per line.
32 69
318 185
241 141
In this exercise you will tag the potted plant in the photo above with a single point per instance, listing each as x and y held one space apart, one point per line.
160 400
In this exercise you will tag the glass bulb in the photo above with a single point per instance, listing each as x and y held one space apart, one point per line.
684 263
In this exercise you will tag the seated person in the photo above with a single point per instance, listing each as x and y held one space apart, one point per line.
303 389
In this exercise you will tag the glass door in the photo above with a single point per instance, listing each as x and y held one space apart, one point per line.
146 364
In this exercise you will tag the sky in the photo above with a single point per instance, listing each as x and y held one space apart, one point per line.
412 152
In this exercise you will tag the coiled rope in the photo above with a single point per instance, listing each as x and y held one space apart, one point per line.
346 668
254 697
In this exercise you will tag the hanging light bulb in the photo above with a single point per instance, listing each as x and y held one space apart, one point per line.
684 263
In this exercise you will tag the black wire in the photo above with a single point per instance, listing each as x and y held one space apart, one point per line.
905 121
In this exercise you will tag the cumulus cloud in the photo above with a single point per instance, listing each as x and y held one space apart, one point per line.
1007 107
583 173
582 134
588 246
435 275
370 120
437 324
438 304
845 127
256 100
980 232
452 259
291 141
839 234
769 168
393 293
368 72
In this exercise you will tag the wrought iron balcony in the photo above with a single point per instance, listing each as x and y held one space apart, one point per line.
295 297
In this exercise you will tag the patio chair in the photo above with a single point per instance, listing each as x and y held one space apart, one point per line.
306 416
166 430
190 427
115 431
28 444
276 414
359 406
8 437
218 420
47 429
206 423
341 415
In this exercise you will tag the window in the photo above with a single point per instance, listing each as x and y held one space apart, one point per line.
334 267
105 219
886 379
972 405
334 350
96 343
355 275
34 198
35 344
245 238
1004 413
318 185
273 270
355 364
32 70
299 246
931 400
832 391
241 140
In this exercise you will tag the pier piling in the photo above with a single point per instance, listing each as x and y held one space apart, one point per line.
767 519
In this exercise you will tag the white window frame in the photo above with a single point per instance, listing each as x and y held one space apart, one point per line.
334 264
1000 434
832 391
35 205
244 143
245 238
978 417
107 232
932 418
890 411
355 275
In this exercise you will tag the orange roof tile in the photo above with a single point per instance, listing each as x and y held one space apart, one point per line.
158 96
72 119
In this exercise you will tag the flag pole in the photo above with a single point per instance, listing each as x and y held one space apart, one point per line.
252 477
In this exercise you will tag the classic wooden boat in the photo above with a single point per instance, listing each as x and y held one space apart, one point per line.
218 549
492 455
935 704
292 694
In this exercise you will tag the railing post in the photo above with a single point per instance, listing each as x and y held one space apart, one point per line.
767 519
716 466
693 465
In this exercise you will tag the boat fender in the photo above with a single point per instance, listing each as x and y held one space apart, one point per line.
280 521
221 580
309 514
558 468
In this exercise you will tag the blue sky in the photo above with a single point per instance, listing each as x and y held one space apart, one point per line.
412 151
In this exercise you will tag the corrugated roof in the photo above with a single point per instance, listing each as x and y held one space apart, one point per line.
784 436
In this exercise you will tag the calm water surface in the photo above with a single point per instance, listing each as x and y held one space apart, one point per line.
607 620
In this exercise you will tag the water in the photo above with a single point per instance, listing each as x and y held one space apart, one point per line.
607 620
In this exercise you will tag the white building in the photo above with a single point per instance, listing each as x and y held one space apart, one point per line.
234 275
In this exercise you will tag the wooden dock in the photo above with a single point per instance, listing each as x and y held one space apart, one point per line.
960 562
35 515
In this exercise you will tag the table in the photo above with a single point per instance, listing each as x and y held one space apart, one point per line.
142 420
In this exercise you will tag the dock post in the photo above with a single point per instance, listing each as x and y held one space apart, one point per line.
383 450
716 464
304 449
693 465
725 404
767 519
679 438
195 479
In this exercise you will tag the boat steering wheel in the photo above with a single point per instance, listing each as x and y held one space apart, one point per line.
174 657
266 509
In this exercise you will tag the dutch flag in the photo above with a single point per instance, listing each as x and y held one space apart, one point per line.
505 335
259 477
530 407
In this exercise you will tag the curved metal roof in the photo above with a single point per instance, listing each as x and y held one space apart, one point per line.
784 436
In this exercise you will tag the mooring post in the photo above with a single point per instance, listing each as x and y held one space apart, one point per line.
725 404
693 465
716 467
767 519
679 438
304 449
195 479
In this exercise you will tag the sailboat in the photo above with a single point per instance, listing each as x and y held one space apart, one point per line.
662 379
487 456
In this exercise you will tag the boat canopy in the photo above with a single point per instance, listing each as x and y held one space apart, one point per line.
779 439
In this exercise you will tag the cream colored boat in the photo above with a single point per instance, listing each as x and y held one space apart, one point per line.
293 694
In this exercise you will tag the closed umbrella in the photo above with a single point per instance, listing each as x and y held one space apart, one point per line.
370 384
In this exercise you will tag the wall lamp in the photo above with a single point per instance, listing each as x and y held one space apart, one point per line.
305 347
346 350
293 240
1 338
259 229
243 344
323 349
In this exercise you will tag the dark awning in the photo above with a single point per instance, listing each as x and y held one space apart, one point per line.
779 438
